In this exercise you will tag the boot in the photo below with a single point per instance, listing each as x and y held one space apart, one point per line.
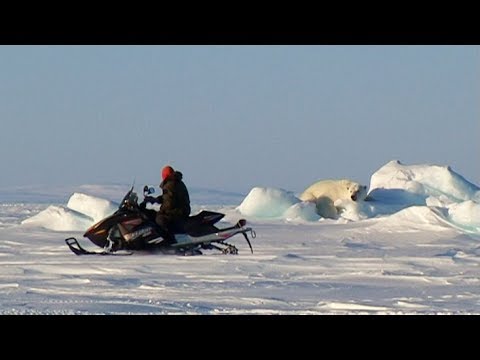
168 239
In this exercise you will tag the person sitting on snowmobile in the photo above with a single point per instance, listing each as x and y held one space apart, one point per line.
175 203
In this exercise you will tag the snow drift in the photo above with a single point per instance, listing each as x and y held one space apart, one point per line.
92 206
435 193
415 183
81 212
441 195
60 218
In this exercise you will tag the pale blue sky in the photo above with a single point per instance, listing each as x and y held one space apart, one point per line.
235 117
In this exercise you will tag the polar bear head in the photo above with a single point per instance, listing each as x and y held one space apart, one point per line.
357 192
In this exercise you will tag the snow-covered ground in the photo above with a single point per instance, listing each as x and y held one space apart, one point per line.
413 248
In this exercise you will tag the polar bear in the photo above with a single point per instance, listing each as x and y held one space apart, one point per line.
325 193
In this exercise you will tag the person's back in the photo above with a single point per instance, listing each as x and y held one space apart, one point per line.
175 207
175 198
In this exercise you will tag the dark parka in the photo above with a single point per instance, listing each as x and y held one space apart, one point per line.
175 197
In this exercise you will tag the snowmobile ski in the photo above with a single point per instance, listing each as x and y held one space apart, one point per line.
77 249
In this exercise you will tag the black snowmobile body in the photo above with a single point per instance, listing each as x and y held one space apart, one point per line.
133 227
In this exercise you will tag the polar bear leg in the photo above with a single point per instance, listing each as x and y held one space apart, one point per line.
326 208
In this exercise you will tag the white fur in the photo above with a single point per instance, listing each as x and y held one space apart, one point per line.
325 193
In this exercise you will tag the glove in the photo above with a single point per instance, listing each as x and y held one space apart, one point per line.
150 199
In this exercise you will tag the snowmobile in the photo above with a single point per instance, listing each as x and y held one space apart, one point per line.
133 227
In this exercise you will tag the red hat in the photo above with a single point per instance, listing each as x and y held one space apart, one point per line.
166 172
